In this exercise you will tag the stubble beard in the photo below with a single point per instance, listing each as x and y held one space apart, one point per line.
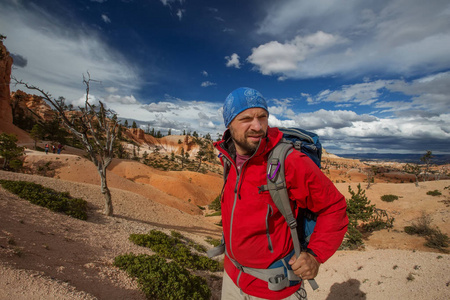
244 143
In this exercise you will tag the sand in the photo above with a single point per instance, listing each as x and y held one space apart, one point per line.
46 255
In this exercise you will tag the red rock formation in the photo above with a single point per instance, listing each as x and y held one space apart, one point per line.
6 62
31 106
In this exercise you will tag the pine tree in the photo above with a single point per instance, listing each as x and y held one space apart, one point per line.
10 152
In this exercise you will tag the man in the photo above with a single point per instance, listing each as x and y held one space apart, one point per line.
256 235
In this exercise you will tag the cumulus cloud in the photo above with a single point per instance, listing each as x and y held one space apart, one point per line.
208 83
204 73
348 132
285 58
392 37
176 114
233 61
427 94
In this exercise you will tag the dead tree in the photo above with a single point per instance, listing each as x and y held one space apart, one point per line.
96 128
413 169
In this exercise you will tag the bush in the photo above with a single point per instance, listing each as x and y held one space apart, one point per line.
434 237
389 198
214 214
10 152
358 209
174 248
363 216
434 193
438 240
161 280
215 205
214 242
49 198
422 227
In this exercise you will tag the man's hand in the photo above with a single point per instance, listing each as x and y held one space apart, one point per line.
305 266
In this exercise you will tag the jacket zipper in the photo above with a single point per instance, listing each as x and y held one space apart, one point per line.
269 240
236 193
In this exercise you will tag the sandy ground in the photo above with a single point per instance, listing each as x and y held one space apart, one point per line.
46 255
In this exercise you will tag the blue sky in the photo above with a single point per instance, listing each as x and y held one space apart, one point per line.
366 75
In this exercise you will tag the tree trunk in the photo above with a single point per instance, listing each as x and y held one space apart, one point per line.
105 191
417 181
199 165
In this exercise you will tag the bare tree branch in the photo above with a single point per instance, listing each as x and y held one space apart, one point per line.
95 128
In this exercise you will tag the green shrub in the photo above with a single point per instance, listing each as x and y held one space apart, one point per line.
214 214
214 242
434 193
173 248
363 216
358 209
161 280
389 198
49 198
353 239
215 205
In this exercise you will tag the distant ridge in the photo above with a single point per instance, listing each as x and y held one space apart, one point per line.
439 159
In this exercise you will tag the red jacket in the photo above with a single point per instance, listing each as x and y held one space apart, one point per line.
251 222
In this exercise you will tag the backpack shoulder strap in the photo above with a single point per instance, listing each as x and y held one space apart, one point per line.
276 184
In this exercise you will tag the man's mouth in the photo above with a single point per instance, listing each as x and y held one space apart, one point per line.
254 137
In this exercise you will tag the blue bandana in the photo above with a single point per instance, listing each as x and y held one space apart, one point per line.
239 100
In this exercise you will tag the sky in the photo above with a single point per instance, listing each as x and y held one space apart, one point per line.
368 76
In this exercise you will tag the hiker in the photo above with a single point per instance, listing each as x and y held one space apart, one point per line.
60 147
46 148
53 149
255 233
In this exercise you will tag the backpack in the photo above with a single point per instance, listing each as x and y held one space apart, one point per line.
301 227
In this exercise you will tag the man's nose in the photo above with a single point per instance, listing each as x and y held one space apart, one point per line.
256 125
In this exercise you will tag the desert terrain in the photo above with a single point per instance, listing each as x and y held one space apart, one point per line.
47 255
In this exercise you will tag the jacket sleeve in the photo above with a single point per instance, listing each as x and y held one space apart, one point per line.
311 189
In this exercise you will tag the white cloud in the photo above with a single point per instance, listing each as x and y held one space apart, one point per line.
233 61
204 73
208 83
58 55
177 114
396 37
277 58
362 93
111 89
427 94
347 132
180 13
121 99
106 19
159 107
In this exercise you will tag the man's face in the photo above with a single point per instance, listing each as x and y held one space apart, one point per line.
248 128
